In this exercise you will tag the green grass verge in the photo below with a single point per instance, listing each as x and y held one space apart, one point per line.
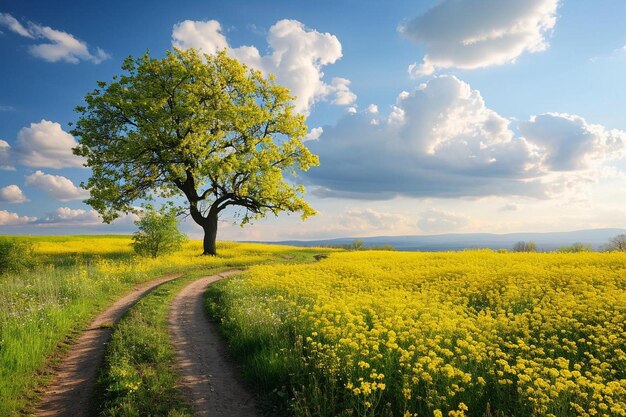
269 363
42 312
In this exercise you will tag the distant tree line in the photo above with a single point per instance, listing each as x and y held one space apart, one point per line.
617 243
359 245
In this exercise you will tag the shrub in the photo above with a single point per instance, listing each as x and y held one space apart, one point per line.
576 247
16 255
525 247
158 232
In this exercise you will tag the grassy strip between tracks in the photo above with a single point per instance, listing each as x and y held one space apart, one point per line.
138 377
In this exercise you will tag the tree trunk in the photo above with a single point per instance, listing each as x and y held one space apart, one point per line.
210 234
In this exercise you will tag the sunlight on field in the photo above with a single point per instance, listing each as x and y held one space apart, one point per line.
471 333
75 277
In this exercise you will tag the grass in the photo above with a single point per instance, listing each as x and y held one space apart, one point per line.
137 378
474 333
77 276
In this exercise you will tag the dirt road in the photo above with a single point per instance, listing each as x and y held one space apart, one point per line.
71 391
208 374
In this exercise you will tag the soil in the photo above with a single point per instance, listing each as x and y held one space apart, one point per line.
209 377
71 390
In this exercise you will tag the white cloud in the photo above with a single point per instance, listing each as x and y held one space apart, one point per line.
13 24
65 216
297 56
372 108
8 218
314 134
436 221
440 140
370 220
5 150
343 95
335 222
571 143
12 194
56 186
473 34
61 46
46 145
206 36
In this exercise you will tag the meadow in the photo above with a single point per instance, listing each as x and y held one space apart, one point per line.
362 333
474 333
43 309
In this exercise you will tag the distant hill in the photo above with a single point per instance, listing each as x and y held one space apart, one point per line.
457 241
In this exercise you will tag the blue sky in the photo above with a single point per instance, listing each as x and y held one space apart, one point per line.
428 116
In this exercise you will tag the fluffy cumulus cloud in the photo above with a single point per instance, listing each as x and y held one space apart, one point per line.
297 56
343 95
498 32
442 140
56 46
5 157
12 194
570 143
46 145
56 186
436 221
8 218
314 134
66 216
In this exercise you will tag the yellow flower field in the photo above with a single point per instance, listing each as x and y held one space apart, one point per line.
474 333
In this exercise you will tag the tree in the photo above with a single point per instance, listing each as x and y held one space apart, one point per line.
575 248
525 247
617 243
158 232
357 244
206 128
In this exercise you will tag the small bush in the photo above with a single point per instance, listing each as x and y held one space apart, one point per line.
158 233
525 247
576 247
16 255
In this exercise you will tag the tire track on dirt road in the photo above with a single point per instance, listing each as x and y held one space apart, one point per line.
209 377
71 390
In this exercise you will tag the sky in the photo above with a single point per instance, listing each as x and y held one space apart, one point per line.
429 116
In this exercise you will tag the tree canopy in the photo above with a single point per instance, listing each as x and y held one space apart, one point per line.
204 127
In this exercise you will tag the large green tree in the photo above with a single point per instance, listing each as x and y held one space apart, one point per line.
203 127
